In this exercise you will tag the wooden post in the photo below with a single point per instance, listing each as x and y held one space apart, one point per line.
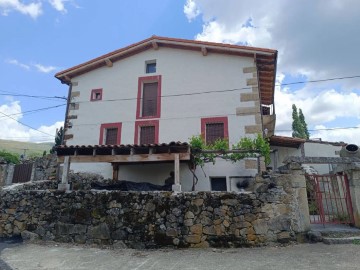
115 171
64 185
177 185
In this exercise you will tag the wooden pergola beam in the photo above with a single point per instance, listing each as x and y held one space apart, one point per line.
127 158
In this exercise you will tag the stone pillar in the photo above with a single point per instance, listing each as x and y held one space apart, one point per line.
33 169
10 174
301 215
177 185
64 185
354 185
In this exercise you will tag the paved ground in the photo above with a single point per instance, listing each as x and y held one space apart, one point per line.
65 257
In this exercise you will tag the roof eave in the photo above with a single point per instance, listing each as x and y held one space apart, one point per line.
66 75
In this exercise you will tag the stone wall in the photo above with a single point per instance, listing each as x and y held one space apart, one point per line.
155 219
45 167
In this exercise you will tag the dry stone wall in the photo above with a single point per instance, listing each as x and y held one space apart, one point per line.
155 219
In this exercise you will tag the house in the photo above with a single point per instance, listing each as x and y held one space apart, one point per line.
126 107
283 147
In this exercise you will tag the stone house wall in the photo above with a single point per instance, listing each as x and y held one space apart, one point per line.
154 219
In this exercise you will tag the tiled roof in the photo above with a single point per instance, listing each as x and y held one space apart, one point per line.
286 141
265 59
123 149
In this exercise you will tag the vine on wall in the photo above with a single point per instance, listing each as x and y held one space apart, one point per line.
203 153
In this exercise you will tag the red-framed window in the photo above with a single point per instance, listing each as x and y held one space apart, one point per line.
110 133
146 132
214 128
96 94
149 97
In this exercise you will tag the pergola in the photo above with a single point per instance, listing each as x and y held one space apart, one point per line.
123 154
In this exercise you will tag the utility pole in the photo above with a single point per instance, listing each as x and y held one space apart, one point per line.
24 155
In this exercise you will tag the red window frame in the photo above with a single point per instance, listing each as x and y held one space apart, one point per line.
94 92
139 124
103 128
141 82
215 120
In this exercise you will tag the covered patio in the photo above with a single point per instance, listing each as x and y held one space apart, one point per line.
117 155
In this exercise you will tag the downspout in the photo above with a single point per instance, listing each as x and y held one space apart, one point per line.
66 111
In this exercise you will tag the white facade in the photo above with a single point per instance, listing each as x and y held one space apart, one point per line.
310 149
182 74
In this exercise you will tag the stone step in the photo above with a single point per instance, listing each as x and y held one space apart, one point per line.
341 240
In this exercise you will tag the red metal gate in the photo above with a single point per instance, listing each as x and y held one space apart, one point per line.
329 199
22 173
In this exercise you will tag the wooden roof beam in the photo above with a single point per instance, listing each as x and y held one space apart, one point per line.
155 45
204 51
108 62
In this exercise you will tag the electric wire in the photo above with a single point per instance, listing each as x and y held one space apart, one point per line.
34 111
26 125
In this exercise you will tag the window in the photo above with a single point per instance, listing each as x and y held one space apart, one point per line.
149 102
151 67
149 97
146 132
110 133
218 183
96 94
147 135
214 128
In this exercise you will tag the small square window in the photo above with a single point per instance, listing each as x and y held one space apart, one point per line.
96 94
151 67
218 184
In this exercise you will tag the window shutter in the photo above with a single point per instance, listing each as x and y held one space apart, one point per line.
214 131
149 104
111 136
147 135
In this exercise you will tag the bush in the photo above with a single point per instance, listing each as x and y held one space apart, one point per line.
10 157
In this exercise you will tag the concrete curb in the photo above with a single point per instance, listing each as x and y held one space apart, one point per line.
343 240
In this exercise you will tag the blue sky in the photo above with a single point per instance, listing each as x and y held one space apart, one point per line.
315 39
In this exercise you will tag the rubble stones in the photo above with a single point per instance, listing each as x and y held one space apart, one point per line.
152 219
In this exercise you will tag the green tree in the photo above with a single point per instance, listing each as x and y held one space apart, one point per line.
304 125
299 126
58 139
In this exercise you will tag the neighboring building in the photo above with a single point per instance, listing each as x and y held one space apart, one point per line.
164 90
287 146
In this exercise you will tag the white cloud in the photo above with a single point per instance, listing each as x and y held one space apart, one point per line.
17 63
315 40
191 10
38 67
44 69
58 5
13 130
33 9
320 109
351 135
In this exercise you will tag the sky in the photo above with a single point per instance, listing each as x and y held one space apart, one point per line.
317 42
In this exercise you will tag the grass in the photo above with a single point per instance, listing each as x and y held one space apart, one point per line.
32 149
